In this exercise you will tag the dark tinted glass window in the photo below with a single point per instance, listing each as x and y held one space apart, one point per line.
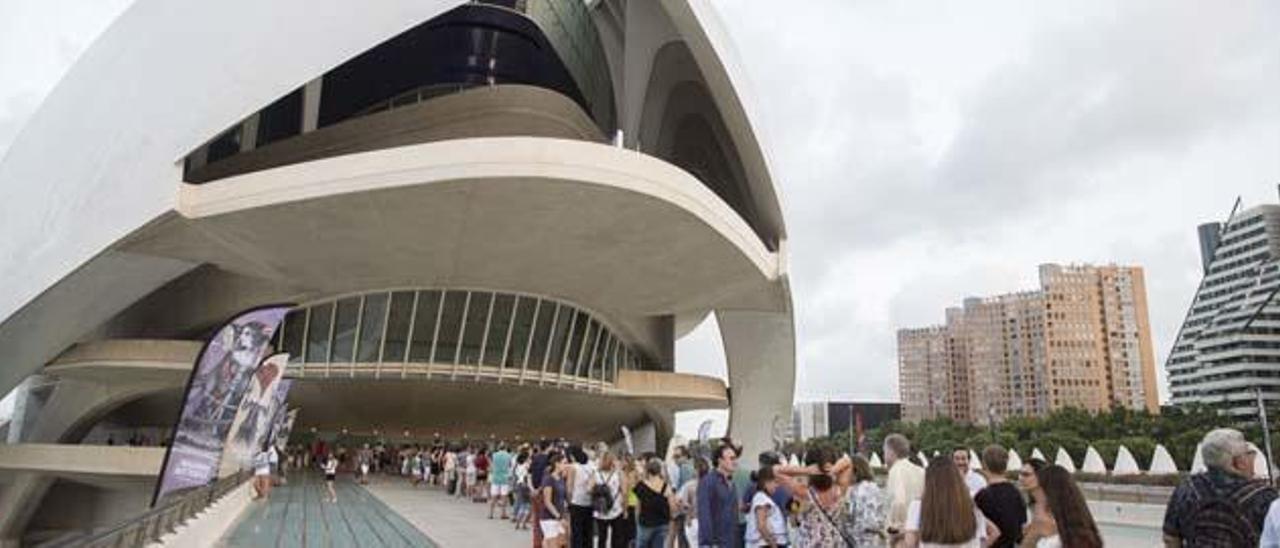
295 324
318 333
344 329
520 331
398 326
450 326
473 334
542 335
372 319
225 145
560 339
280 119
499 321
424 326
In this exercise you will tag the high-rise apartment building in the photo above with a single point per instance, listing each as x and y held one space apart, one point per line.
1082 340
1229 345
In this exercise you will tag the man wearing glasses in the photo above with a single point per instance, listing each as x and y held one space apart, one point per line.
1225 505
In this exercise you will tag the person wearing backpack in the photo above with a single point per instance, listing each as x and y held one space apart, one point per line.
607 502
1223 506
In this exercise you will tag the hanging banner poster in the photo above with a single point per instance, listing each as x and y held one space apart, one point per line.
281 435
279 410
276 414
253 420
218 382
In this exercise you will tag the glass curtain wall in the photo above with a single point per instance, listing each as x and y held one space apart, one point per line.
518 335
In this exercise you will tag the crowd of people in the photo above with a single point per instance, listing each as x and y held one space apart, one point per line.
573 495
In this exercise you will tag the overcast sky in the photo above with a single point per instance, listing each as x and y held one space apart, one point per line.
929 151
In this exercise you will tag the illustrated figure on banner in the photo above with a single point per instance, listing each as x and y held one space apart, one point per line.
219 390
255 403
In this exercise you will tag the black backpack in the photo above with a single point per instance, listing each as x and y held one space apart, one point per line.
601 495
1220 522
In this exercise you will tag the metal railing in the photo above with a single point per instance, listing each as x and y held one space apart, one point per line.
155 523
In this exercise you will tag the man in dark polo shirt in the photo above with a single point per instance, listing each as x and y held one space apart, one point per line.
1224 506
1000 501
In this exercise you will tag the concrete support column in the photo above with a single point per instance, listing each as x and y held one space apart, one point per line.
18 502
760 350
311 105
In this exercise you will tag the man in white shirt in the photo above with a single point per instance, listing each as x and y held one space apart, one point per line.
905 482
972 479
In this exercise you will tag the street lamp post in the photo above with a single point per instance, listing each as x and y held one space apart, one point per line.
1266 431
991 421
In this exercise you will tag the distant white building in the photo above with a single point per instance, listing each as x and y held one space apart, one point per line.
1228 343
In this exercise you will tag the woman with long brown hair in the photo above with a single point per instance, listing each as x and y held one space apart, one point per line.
1071 523
945 515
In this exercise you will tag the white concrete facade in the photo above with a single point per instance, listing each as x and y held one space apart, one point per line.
113 242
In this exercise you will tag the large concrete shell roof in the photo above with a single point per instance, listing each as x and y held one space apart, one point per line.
98 159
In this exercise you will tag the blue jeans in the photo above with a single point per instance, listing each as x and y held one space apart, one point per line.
651 537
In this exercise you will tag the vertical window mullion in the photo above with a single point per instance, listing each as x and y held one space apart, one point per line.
551 337
408 338
528 344
306 329
435 332
333 321
595 347
355 346
462 333
484 341
386 320
506 344
568 343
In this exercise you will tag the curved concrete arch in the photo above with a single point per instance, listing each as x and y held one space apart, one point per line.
644 238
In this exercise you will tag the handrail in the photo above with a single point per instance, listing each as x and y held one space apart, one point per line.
155 523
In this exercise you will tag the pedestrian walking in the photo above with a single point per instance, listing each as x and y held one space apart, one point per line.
331 475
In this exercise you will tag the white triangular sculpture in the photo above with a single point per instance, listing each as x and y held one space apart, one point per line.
1064 460
876 462
1093 462
1259 463
1126 465
923 460
1015 462
975 463
1036 454
1162 462
1197 463
795 460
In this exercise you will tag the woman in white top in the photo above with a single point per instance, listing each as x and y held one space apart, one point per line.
330 475
609 519
765 524
945 517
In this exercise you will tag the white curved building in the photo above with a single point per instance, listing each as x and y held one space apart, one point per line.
496 217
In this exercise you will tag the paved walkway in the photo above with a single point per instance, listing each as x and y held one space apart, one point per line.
450 522
299 515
